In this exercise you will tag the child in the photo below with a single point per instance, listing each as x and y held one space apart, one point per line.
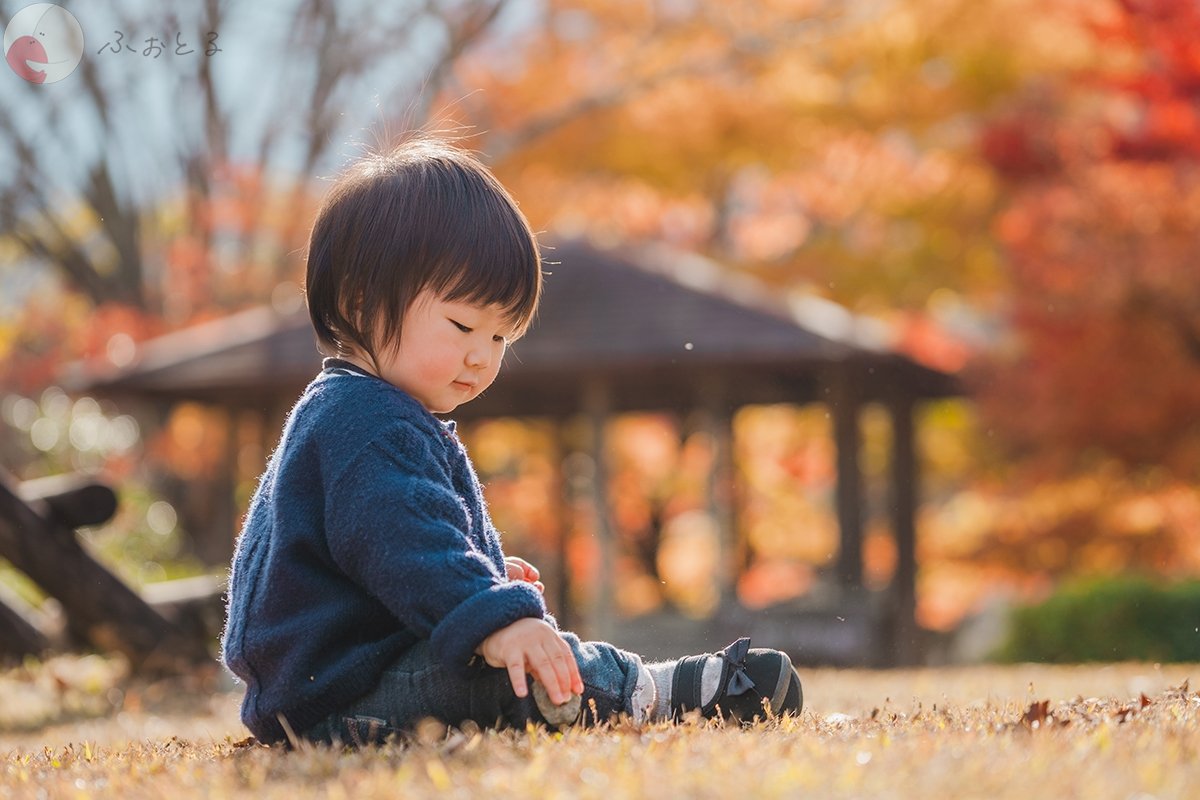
369 588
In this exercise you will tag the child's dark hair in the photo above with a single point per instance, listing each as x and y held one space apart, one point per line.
424 216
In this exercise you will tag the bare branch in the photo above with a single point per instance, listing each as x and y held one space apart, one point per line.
121 225
462 35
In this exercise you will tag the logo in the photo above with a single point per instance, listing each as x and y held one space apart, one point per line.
43 43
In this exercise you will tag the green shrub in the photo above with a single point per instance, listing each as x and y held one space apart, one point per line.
1110 619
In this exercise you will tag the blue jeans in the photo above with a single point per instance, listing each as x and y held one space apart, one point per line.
417 687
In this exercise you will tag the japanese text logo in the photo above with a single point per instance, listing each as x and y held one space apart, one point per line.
43 43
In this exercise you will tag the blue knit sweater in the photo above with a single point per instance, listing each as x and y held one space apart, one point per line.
367 533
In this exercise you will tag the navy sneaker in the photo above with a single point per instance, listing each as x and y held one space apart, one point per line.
754 682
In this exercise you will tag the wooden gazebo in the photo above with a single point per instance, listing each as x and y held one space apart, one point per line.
645 329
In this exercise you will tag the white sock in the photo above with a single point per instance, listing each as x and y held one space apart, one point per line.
645 694
663 674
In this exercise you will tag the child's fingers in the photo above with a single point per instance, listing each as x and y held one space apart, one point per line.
541 587
516 674
572 681
521 570
575 677
550 667
528 571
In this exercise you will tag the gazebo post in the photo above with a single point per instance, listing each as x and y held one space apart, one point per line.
221 537
844 400
716 420
903 508
597 404
562 517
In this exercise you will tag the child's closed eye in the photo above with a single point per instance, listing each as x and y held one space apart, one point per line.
465 329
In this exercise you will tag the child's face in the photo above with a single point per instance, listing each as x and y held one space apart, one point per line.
449 351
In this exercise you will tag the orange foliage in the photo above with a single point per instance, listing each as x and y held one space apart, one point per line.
996 541
192 441
768 582
784 138
48 332
925 341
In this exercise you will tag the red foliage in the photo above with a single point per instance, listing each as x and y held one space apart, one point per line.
1166 86
48 334
1017 147
1099 239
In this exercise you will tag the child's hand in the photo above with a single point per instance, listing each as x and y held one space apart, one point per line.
521 570
532 645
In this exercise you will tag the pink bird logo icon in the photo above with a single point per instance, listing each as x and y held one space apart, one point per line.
43 43
24 57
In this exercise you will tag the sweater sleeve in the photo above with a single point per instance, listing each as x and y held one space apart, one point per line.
401 533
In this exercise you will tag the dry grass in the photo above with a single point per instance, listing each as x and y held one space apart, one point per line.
77 727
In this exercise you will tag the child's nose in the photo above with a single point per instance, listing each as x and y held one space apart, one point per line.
477 358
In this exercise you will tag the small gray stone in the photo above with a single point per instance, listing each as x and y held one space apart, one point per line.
556 715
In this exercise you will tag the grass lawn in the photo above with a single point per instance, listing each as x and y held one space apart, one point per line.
75 727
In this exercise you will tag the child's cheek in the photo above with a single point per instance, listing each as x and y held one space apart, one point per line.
438 366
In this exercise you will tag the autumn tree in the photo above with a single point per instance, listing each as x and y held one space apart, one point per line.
1094 396
1100 245
820 146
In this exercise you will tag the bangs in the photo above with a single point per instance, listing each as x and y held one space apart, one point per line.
482 251
424 217
506 274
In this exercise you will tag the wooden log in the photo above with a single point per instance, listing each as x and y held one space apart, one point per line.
74 500
18 636
109 614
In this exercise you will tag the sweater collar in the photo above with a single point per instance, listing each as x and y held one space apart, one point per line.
340 366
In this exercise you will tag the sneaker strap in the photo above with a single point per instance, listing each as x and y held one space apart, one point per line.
686 685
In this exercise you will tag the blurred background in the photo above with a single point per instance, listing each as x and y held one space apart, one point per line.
1005 192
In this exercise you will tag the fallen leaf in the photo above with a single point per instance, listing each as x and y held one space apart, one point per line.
1035 716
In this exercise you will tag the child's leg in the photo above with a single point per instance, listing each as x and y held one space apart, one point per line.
739 682
614 681
735 682
417 687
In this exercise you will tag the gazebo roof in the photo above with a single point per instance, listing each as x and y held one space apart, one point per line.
656 326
